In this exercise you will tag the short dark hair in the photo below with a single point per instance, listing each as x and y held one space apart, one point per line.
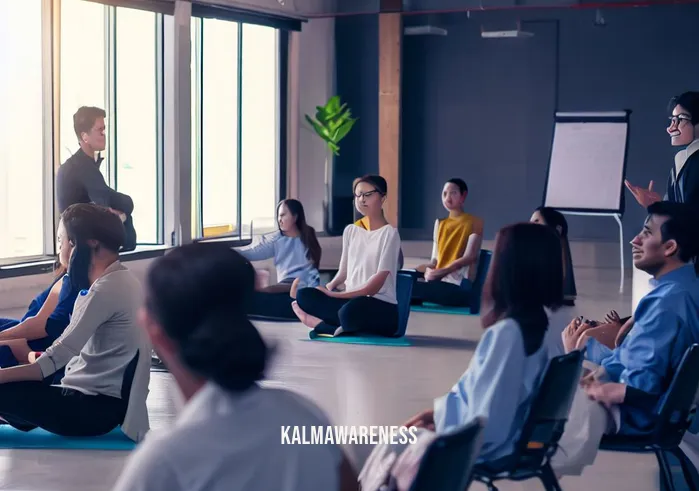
554 219
378 182
463 187
85 117
200 294
525 275
689 101
86 221
681 225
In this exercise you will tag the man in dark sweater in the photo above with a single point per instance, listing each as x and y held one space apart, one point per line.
79 179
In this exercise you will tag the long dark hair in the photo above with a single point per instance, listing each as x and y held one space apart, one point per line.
526 275
199 293
306 232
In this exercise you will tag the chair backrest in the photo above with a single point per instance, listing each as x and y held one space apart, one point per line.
404 290
548 412
484 259
675 410
448 462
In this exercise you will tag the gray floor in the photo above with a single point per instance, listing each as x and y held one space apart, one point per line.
355 385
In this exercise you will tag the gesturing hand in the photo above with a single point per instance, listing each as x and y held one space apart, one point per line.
572 334
645 197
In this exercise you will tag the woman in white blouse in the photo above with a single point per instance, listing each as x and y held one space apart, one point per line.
368 269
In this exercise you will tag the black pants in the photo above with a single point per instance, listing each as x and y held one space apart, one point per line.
365 314
65 412
272 305
441 293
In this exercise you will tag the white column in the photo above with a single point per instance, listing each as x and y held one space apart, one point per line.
178 138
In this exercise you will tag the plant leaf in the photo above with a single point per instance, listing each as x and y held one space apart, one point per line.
321 130
343 130
333 104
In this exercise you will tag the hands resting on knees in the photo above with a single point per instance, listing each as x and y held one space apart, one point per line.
608 394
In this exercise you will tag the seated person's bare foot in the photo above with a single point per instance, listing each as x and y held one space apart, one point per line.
306 319
294 288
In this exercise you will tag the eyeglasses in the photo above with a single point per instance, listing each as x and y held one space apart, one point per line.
368 194
677 120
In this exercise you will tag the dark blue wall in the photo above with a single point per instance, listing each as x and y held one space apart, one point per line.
357 72
483 109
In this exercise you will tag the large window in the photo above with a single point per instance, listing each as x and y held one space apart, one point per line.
137 118
236 126
83 67
219 113
21 120
260 126
60 55
109 59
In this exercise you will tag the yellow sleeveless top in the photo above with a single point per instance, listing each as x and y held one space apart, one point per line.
452 237
362 223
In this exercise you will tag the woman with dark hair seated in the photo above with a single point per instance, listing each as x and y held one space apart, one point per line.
368 269
105 355
555 219
296 254
47 316
227 438
525 278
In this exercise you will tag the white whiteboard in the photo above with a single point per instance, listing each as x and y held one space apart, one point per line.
588 156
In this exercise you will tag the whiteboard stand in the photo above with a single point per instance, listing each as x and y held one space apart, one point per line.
589 153
617 217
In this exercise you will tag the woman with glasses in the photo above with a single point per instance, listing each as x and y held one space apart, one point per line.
683 183
368 269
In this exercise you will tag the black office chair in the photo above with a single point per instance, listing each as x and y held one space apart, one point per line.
542 429
448 462
674 416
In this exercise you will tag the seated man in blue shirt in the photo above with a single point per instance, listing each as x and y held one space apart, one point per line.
666 324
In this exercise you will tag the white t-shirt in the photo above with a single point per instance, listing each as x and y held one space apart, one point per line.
226 442
365 253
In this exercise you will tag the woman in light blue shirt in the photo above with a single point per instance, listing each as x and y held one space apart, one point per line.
296 254
512 356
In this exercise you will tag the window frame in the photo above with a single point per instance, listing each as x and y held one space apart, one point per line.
199 64
51 138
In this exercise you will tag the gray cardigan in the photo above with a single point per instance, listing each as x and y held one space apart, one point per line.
100 341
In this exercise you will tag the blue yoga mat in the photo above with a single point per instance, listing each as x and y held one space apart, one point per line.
38 438
271 319
363 339
440 309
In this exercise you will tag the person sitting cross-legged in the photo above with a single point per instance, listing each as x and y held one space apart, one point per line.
456 246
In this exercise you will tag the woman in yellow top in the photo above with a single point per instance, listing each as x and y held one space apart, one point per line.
456 247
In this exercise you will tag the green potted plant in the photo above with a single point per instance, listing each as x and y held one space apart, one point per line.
332 123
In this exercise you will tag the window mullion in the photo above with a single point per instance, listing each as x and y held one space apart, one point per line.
239 135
